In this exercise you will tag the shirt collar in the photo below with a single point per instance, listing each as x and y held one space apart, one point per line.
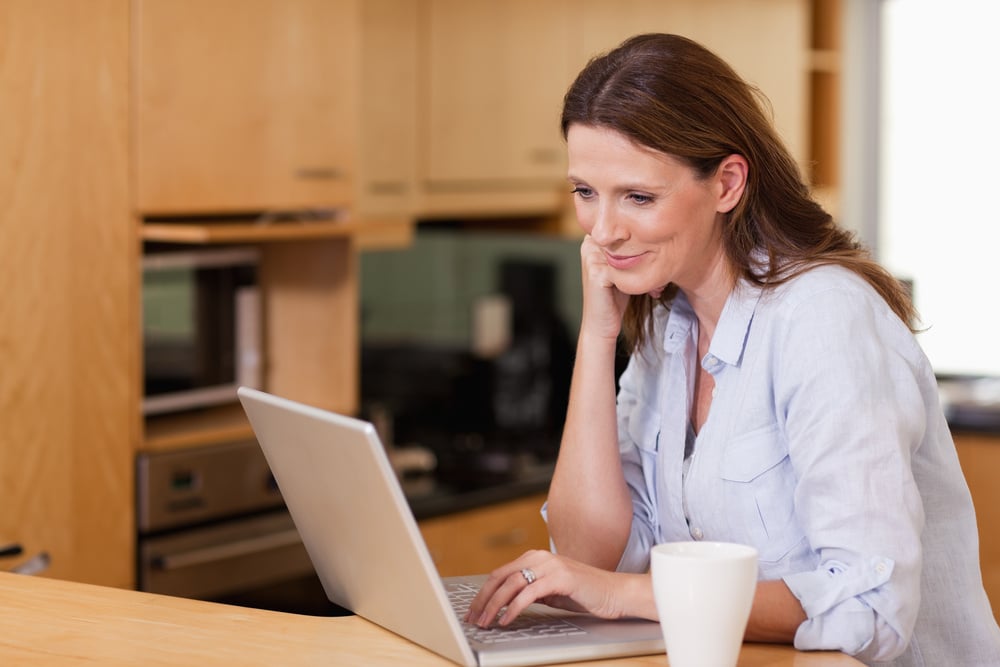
734 324
730 333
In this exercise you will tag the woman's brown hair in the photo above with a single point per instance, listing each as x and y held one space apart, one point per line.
670 94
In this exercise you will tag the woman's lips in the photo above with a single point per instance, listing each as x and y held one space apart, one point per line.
622 261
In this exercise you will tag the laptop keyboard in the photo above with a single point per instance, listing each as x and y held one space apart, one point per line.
528 625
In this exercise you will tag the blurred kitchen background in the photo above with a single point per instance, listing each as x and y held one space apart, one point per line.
361 205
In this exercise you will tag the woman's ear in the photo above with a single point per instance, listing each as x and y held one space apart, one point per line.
732 179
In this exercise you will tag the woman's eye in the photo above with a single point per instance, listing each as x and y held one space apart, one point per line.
640 199
582 191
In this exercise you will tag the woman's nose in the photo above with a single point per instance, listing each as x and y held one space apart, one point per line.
606 226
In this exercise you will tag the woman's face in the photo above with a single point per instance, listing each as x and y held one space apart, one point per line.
654 219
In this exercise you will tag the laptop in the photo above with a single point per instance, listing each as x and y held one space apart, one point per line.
364 542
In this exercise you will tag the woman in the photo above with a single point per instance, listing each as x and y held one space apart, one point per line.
775 394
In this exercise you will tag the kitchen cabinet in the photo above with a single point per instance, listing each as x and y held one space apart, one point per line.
69 410
260 107
478 541
389 84
489 135
766 41
245 105
979 454
494 74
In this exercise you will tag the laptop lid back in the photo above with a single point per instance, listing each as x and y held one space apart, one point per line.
354 520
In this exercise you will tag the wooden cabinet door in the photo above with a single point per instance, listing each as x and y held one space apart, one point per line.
245 105
480 540
389 92
69 407
980 457
496 71
766 41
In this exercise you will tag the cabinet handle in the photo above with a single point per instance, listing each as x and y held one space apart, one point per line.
388 188
236 549
319 173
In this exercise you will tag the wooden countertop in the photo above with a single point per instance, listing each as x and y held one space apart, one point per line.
45 622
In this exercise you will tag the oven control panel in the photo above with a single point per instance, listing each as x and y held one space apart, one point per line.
191 486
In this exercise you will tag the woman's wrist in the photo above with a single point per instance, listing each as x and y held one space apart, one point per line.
591 339
637 595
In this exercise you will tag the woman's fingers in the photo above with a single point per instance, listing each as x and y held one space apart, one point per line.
603 302
504 585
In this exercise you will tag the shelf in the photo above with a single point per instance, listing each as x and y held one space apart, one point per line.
210 426
251 232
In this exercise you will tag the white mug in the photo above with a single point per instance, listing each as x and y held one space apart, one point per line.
703 593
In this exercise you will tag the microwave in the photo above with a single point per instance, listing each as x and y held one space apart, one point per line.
201 327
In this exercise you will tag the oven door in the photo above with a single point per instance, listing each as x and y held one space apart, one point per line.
258 561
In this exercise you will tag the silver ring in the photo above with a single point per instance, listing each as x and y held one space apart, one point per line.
528 575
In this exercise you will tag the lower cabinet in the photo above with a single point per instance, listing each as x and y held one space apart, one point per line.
980 458
480 540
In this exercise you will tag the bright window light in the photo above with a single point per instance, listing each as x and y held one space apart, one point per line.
939 174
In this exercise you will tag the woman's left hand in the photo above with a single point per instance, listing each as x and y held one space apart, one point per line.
541 576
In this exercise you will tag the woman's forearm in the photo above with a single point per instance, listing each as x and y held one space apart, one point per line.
589 506
776 614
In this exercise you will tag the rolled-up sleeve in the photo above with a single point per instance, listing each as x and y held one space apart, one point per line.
853 417
842 608
638 431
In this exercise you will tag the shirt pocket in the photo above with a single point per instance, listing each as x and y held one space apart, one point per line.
642 428
759 488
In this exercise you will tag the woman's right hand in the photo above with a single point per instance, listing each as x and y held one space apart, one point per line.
562 583
603 303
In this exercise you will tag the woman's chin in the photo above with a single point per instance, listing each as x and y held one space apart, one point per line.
639 290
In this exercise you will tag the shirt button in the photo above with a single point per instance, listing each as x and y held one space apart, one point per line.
880 568
697 534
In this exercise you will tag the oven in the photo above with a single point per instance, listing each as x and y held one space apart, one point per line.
212 525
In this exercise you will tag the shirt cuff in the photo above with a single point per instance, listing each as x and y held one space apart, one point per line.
837 619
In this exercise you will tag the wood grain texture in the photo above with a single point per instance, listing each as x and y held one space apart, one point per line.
55 623
68 296
388 98
495 74
245 105
310 293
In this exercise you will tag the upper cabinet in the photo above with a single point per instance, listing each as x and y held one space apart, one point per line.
766 42
494 73
493 76
389 90
401 109
245 105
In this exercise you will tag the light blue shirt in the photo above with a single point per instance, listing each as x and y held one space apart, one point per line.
826 449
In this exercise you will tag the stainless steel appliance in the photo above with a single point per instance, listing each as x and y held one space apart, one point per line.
212 525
